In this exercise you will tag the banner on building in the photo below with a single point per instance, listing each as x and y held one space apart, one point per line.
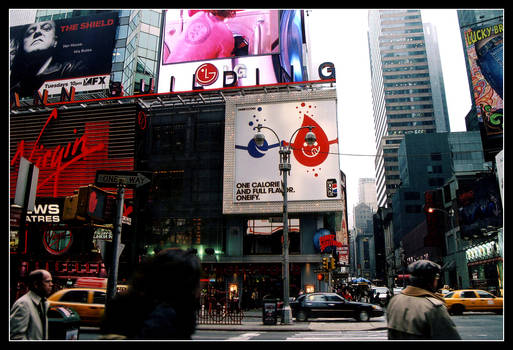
484 50
73 52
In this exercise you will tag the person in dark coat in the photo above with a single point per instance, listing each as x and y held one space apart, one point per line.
417 312
161 302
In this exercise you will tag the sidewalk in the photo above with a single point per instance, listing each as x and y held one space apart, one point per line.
252 321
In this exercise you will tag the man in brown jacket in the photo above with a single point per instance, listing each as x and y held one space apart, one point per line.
417 312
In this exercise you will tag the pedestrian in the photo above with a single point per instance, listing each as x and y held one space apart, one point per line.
417 312
161 302
28 319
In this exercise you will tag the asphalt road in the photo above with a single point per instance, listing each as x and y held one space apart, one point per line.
470 325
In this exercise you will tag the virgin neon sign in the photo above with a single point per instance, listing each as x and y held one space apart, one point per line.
64 167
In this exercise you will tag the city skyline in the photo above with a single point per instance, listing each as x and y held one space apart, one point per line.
355 114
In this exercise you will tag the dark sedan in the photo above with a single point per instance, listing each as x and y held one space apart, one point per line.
332 305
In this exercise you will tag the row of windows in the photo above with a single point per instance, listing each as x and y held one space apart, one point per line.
409 99
403 108
401 54
386 39
404 69
406 76
403 46
404 61
404 83
400 124
409 91
407 132
401 24
392 31
411 115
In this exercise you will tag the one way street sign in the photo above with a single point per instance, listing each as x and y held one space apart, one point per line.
111 178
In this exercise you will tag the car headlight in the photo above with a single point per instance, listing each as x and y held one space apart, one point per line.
376 307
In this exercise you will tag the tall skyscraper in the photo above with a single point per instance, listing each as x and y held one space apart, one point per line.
367 192
407 88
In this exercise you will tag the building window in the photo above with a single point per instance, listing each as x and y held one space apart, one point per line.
436 181
434 169
265 236
411 196
412 209
436 156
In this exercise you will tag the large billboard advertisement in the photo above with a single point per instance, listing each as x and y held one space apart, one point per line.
484 51
314 175
222 48
74 52
252 175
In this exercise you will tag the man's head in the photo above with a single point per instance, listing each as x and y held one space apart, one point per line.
40 282
424 274
40 37
170 276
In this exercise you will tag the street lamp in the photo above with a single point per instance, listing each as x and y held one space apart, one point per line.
284 167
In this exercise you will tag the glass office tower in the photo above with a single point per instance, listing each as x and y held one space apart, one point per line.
407 88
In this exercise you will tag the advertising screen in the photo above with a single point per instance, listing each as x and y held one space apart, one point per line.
74 52
315 173
484 50
214 49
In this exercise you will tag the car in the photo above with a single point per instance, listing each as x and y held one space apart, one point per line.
329 305
462 300
89 303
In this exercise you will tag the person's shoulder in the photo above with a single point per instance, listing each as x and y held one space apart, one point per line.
435 301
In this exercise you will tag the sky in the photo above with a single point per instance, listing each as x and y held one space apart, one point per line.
340 36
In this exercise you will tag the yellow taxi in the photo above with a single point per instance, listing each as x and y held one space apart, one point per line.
462 300
89 303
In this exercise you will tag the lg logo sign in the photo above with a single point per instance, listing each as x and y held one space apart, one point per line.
206 74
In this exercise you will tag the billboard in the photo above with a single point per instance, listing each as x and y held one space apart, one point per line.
223 48
62 53
479 206
252 176
484 51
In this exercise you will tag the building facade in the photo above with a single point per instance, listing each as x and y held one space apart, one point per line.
407 88
185 143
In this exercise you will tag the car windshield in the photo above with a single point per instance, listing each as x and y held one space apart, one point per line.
449 295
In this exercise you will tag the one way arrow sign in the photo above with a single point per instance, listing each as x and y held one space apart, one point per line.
111 178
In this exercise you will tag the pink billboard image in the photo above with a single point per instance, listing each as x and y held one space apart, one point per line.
195 35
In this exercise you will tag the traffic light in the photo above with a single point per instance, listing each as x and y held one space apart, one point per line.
69 213
332 264
325 264
91 203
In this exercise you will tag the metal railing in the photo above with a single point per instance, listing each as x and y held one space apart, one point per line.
227 313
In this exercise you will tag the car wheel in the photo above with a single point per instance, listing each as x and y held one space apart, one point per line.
301 316
362 316
457 309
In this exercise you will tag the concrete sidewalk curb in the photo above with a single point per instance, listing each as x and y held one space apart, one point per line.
252 321
300 326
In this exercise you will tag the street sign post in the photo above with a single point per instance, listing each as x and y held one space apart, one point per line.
119 179
131 179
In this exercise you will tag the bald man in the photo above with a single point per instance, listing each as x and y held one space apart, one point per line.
28 314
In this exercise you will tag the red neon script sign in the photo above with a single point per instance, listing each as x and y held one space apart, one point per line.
54 161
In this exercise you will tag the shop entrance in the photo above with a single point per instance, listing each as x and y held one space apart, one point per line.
248 284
